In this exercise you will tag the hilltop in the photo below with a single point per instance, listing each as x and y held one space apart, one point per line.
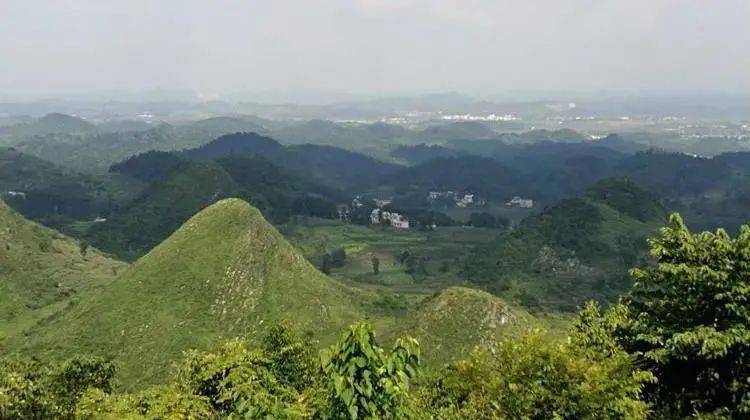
455 320
41 269
227 272
162 207
52 123
326 165
179 188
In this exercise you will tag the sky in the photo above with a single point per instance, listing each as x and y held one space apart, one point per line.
381 47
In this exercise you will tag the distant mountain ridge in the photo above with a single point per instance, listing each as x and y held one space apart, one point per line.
327 165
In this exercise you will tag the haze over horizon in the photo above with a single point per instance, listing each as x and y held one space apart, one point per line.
371 47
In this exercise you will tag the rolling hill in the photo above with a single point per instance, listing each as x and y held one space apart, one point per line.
42 269
162 207
577 250
227 272
49 124
483 176
455 320
326 165
224 273
52 192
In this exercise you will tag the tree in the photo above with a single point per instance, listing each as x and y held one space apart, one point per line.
686 320
293 362
325 265
483 219
533 377
83 247
375 264
690 322
29 389
365 381
338 257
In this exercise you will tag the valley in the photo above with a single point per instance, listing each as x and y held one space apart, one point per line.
144 255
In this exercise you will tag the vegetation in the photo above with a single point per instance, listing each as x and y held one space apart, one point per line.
354 379
574 251
686 321
326 165
41 270
217 292
55 195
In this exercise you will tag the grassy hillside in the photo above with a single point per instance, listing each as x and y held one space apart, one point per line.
40 268
226 273
453 321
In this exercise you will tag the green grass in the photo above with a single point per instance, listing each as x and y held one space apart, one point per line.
228 273
41 268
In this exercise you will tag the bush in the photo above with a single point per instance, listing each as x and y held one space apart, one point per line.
535 378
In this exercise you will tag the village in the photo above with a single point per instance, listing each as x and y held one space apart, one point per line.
381 213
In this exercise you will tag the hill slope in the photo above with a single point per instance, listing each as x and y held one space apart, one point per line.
576 250
50 191
326 165
52 123
162 208
224 273
452 322
40 267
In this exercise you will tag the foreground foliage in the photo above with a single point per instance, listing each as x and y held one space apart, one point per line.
530 377
534 378
676 346
687 321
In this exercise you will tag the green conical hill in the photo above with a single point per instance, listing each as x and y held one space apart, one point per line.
226 272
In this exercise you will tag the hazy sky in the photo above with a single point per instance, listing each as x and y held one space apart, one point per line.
373 46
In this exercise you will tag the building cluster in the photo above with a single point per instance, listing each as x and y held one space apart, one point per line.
463 201
392 218
524 203
378 215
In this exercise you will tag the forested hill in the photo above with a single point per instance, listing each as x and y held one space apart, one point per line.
578 249
327 165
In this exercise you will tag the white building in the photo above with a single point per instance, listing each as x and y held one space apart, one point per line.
396 220
375 216
434 195
466 200
17 194
524 203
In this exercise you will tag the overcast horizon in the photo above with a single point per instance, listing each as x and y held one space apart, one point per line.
373 48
